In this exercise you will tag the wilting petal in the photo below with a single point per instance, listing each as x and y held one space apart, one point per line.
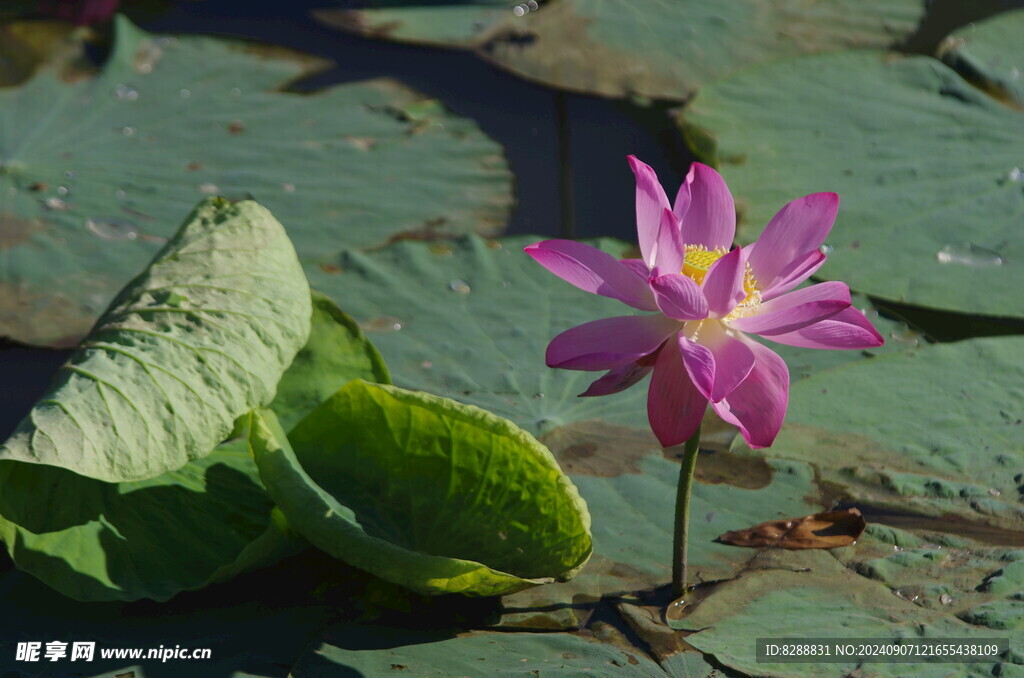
848 329
679 297
618 379
723 284
710 215
798 271
797 230
795 310
651 202
592 270
609 343
670 250
674 405
758 405
733 359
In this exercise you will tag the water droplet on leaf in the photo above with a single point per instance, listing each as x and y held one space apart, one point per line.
55 204
288 187
945 599
825 249
184 93
126 93
459 287
907 337
969 254
112 228
62 190
538 396
128 131
208 188
146 56
383 323
909 597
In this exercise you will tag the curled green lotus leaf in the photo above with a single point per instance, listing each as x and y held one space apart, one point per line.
201 337
336 352
196 525
153 538
425 492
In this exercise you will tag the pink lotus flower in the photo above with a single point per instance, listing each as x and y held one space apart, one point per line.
707 298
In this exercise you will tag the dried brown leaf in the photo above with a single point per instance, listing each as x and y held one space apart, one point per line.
827 530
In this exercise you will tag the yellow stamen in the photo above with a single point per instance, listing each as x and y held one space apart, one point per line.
698 259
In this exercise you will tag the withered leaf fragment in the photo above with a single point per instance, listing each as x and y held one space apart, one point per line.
827 530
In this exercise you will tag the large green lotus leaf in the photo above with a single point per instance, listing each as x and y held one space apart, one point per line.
201 337
811 594
927 167
935 433
646 47
470 320
153 538
426 492
93 172
336 352
373 651
991 52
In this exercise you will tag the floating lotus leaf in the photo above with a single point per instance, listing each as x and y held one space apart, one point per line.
627 47
94 171
991 52
445 24
201 337
372 651
927 166
935 433
471 319
810 594
426 492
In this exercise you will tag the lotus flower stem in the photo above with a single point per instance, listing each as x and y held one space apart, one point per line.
686 469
